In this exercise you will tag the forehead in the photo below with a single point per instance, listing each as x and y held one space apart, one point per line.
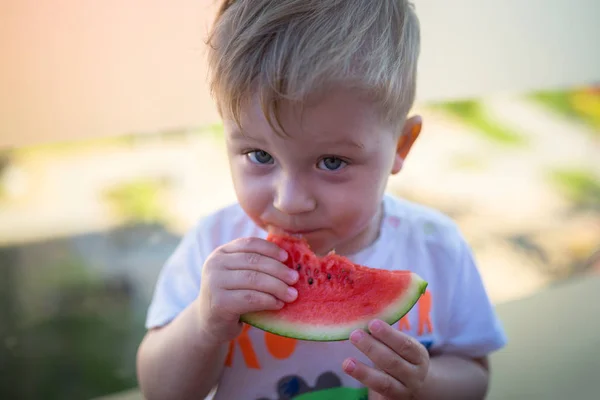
342 115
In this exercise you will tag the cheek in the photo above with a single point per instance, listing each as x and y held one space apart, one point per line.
356 202
253 192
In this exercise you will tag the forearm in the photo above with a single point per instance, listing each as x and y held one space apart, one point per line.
452 377
179 361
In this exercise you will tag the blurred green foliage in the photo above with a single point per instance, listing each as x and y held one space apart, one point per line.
140 201
469 162
581 104
217 130
5 161
75 337
57 149
473 114
582 187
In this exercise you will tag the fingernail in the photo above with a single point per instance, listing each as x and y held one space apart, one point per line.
293 276
356 336
349 365
292 293
283 255
376 326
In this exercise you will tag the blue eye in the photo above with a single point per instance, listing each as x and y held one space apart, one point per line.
331 163
260 157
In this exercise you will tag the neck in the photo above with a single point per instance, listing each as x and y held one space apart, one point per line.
365 238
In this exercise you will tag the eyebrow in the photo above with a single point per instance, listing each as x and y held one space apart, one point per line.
239 135
353 143
236 134
343 142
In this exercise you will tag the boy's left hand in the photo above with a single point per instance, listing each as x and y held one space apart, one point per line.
401 363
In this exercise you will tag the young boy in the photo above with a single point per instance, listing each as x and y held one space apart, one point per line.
315 96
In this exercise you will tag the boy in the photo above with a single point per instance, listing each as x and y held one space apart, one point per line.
314 96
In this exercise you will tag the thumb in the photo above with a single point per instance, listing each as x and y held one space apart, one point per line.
375 396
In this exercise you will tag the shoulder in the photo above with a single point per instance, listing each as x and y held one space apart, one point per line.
416 213
423 224
431 244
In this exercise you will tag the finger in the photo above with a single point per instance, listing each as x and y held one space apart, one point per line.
250 279
374 379
386 359
256 245
247 301
409 348
260 263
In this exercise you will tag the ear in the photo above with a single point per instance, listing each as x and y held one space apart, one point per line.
410 133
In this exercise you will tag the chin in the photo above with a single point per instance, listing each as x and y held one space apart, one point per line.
320 243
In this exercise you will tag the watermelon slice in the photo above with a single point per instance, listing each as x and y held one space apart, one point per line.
336 296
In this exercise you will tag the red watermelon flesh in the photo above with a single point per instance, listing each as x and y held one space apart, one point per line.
336 296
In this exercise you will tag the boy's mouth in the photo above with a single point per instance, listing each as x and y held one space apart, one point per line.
291 232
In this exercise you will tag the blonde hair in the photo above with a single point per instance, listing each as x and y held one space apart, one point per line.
288 50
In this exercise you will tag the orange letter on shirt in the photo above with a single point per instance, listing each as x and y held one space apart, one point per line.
247 350
404 324
425 313
279 346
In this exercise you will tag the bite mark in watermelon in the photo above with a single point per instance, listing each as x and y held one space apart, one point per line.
336 296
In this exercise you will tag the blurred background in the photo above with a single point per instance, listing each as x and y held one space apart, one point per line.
111 148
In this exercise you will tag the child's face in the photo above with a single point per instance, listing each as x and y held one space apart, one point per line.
326 180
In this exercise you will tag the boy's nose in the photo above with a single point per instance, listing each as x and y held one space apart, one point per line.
291 197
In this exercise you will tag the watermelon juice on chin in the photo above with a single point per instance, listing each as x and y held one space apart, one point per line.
336 296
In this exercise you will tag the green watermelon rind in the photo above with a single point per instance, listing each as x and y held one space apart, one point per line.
303 331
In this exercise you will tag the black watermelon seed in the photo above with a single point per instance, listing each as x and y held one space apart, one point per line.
328 276
310 281
298 267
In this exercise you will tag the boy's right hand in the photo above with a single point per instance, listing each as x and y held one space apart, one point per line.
245 275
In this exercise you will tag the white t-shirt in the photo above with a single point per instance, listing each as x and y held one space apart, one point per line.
454 316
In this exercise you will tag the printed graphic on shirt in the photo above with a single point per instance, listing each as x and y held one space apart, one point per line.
328 386
345 393
281 348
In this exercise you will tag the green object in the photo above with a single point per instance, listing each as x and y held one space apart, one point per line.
342 393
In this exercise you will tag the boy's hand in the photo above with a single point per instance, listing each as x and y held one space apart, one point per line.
245 275
401 363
